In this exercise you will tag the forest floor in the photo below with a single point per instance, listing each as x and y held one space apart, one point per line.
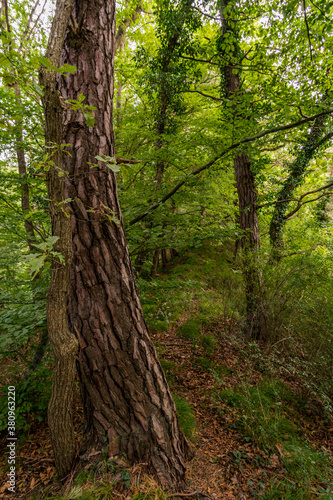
256 432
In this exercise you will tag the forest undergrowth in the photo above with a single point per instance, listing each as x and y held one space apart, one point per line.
258 417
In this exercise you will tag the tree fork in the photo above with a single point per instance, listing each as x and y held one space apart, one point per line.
127 402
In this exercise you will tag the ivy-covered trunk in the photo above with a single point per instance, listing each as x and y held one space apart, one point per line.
127 402
247 196
297 170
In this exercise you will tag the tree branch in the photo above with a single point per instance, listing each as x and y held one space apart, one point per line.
214 160
34 25
300 203
125 160
202 93
205 14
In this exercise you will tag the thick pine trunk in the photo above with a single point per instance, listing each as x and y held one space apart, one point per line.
128 405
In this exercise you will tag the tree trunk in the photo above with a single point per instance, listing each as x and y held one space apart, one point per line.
250 241
156 260
164 256
25 203
63 342
247 202
127 401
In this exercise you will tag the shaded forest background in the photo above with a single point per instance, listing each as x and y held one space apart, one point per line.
223 150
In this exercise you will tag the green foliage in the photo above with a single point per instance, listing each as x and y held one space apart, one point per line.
32 399
21 317
299 296
173 115
204 363
169 368
190 329
264 411
186 417
209 343
268 415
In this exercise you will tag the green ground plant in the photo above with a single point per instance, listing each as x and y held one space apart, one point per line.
268 415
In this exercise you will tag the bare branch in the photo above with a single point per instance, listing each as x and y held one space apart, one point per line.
321 11
25 32
326 138
208 61
307 29
7 16
298 200
35 24
205 14
300 204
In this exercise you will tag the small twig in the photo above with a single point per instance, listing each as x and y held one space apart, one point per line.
205 95
282 340
124 160
303 251
301 112
205 14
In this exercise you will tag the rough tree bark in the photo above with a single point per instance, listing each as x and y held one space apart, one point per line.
63 342
127 401
247 202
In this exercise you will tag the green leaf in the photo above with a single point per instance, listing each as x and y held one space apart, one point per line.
90 120
36 264
67 68
114 168
38 89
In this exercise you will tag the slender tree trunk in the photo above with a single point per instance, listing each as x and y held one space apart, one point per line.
247 202
127 401
120 88
156 260
63 342
29 229
164 256
25 203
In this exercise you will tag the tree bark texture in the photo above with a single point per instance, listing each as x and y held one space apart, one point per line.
127 401
247 202
63 342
